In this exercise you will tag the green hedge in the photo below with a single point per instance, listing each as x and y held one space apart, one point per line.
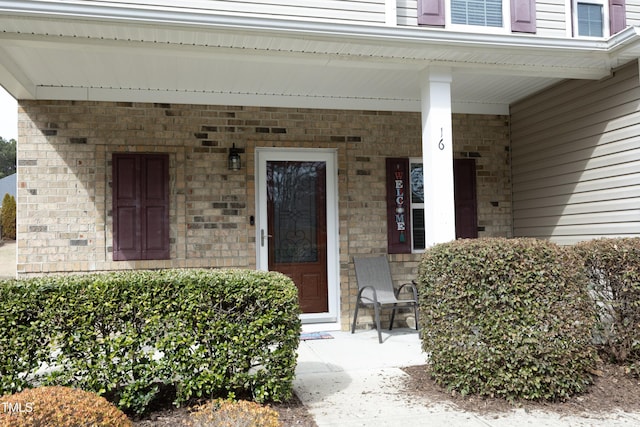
130 335
506 317
613 268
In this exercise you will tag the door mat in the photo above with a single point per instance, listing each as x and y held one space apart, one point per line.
308 336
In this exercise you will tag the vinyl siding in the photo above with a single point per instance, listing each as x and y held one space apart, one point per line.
352 11
407 12
576 160
633 12
550 16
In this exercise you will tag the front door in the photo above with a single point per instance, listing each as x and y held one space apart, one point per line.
296 211
296 231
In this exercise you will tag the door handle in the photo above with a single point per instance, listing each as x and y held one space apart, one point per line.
263 236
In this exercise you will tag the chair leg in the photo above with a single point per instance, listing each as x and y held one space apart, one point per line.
393 316
376 311
415 310
355 316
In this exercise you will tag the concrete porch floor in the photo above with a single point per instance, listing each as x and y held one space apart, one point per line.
352 380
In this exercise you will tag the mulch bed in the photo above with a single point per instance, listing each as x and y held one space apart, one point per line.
613 390
292 413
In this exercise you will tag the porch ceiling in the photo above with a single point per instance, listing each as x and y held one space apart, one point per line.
267 62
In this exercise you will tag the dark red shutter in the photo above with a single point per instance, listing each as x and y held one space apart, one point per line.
617 16
398 206
126 195
523 16
431 12
155 207
464 178
140 206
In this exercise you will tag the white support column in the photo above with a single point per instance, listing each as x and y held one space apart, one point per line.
437 156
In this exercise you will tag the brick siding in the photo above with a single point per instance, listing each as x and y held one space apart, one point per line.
64 179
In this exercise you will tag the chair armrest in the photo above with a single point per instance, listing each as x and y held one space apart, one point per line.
414 289
375 294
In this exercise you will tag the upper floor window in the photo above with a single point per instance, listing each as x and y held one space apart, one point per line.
479 15
484 13
590 19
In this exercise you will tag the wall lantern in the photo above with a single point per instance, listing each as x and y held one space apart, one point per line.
234 158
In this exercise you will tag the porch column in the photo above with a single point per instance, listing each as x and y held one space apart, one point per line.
437 156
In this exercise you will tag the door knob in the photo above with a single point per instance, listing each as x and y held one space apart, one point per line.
263 236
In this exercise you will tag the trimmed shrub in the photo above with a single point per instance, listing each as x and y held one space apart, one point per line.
59 407
613 268
506 317
24 333
8 217
226 413
234 333
129 335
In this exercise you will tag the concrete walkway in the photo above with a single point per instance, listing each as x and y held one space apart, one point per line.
352 380
8 260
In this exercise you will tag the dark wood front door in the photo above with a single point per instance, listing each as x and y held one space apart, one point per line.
464 180
297 228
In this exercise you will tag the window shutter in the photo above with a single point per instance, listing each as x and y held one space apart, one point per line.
398 213
464 190
617 16
126 193
155 207
523 16
140 206
431 12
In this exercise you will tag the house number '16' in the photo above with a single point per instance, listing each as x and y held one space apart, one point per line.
441 142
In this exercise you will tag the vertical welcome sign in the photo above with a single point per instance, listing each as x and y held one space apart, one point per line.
398 214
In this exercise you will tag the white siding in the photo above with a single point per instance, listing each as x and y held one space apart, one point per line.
550 16
576 160
408 12
633 12
351 11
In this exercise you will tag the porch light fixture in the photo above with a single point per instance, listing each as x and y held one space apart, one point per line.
234 159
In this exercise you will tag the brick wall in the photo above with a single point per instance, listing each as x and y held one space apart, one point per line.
486 139
64 179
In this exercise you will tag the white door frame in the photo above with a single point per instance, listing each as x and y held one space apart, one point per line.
330 319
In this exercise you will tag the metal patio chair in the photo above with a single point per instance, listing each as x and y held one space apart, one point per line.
375 287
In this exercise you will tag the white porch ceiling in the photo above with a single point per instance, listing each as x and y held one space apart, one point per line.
44 56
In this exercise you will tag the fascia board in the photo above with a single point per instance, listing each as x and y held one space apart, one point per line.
624 46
